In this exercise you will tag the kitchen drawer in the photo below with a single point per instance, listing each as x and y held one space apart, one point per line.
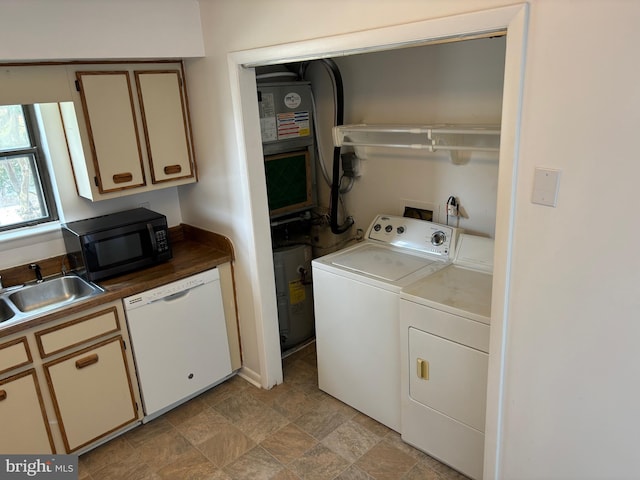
14 354
25 427
75 332
92 393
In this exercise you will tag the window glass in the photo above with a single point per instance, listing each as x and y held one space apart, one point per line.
13 128
25 191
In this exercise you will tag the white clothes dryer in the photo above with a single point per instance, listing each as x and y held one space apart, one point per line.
356 301
444 345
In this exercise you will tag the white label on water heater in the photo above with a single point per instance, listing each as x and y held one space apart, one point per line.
268 125
269 129
292 100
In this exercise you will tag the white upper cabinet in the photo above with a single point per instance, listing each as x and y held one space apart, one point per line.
165 124
128 129
111 123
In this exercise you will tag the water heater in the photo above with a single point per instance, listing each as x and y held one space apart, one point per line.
286 125
294 294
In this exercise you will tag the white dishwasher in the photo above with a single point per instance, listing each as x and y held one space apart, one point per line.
179 339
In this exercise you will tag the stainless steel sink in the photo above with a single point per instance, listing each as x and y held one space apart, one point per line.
52 293
5 312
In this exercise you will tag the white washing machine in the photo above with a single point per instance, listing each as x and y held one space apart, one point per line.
444 343
356 301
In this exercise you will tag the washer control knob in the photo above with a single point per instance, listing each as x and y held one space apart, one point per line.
388 229
377 227
438 238
400 230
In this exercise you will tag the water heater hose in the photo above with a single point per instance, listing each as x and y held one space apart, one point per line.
336 228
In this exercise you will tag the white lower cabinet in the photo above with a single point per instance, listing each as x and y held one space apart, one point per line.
71 383
67 385
92 393
25 428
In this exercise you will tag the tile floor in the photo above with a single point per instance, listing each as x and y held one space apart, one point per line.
236 431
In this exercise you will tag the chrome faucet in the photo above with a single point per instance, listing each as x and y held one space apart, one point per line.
36 267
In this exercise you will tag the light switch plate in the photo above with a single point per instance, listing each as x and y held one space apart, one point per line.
546 183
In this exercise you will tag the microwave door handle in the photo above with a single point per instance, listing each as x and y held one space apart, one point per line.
152 237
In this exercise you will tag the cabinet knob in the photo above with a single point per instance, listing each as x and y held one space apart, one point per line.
122 177
86 361
3 395
172 169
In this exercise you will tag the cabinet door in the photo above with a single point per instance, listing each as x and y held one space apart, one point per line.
164 118
91 392
108 107
25 428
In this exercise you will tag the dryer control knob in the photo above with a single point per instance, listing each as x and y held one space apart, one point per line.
438 238
377 227
400 230
388 229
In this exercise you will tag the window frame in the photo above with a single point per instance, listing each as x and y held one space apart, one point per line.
41 170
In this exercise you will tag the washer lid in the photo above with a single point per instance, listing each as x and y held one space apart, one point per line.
381 262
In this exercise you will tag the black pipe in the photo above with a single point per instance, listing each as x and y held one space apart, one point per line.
335 176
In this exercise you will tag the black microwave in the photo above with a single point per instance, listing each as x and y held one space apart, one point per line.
114 244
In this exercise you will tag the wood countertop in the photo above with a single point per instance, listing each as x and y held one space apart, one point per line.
194 251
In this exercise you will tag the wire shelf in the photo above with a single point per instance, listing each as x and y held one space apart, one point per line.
420 137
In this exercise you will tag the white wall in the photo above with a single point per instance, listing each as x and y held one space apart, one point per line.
571 395
77 29
570 391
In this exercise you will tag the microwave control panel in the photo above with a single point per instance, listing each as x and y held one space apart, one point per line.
162 241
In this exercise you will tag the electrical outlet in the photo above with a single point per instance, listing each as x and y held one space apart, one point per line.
350 164
452 206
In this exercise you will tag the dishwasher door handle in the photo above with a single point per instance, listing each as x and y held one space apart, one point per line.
175 296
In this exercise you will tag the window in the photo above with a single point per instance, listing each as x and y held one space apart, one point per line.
26 196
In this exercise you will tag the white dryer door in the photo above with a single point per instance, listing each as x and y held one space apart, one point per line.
457 377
